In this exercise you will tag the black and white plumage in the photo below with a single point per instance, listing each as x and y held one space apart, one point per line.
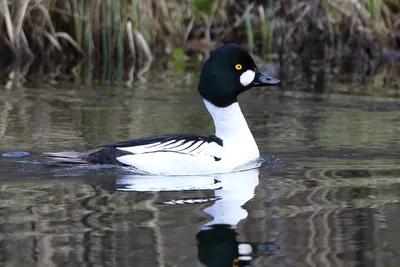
190 144
228 72
127 152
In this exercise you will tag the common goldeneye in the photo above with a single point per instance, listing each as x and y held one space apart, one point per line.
228 72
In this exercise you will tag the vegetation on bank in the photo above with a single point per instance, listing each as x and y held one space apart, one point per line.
303 39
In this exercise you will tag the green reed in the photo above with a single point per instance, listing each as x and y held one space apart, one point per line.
249 28
105 42
374 7
116 34
266 19
119 21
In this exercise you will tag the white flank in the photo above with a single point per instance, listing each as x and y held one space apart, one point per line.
172 163
247 77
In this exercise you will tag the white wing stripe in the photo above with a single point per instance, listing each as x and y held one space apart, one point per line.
168 142
151 145
174 145
147 148
200 150
199 147
196 147
185 146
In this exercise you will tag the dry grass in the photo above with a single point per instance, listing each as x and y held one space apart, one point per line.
320 36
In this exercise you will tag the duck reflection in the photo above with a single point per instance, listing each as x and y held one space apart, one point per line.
217 238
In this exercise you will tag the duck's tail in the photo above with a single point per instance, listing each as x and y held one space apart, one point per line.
72 157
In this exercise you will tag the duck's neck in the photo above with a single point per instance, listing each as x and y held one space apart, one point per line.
230 124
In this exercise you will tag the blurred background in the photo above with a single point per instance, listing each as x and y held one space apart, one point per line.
77 73
304 42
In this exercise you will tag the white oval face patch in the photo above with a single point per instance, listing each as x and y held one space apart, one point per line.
247 77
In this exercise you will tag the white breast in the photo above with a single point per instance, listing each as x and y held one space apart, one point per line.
231 126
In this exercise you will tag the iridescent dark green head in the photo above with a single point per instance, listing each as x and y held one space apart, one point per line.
229 71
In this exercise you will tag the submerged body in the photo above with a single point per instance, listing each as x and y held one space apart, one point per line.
229 71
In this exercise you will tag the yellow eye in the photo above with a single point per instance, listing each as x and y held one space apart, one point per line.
238 66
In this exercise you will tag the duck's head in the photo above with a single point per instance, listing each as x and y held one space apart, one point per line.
229 71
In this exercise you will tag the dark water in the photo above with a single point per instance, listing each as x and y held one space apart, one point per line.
327 195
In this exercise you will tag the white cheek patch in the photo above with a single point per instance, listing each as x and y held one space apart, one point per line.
247 77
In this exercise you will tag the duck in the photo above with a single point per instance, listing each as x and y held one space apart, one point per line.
228 72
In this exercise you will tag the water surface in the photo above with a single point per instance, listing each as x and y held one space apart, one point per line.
327 195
